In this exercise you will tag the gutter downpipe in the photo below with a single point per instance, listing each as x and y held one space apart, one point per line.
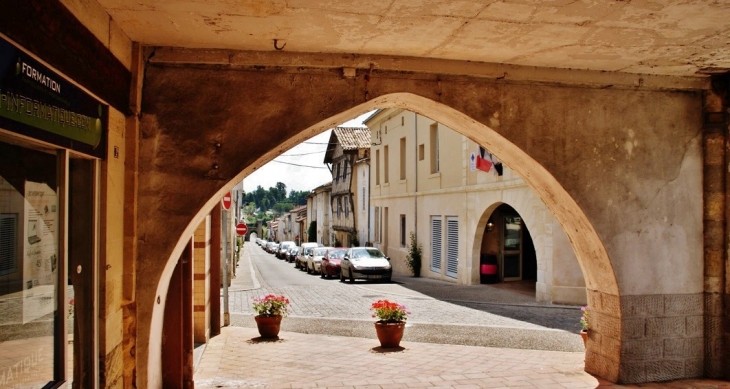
415 158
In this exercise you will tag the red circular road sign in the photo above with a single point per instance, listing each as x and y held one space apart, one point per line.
226 201
241 229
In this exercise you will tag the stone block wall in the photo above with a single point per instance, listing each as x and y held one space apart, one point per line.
653 337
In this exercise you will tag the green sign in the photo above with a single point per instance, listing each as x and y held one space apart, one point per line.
37 102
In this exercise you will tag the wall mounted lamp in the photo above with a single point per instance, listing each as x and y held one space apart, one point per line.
490 226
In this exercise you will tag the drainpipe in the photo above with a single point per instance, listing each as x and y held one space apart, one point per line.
367 209
415 158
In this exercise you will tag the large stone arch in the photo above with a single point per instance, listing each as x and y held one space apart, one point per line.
204 128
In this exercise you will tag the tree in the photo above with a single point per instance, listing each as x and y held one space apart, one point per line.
283 207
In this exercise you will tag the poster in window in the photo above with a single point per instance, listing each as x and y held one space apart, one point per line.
40 254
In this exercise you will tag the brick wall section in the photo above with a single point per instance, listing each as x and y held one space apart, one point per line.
635 339
603 348
663 337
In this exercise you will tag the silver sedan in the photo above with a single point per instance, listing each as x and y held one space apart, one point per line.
367 263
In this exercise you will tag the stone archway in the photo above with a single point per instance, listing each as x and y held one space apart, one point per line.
196 120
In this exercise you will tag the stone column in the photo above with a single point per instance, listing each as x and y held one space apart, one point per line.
201 279
715 211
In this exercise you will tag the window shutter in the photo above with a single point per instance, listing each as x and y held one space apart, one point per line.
452 246
436 244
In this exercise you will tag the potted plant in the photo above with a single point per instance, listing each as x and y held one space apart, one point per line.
391 322
413 259
584 324
270 309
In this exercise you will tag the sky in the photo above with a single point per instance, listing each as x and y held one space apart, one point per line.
308 153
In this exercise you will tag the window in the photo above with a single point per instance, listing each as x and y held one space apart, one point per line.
402 158
344 170
377 167
452 246
434 138
385 164
347 207
339 207
377 224
364 196
337 175
402 230
421 152
402 120
436 244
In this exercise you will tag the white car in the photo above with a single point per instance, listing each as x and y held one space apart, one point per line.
314 261
366 263
283 249
300 261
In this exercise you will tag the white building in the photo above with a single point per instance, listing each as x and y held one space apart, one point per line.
474 225
318 212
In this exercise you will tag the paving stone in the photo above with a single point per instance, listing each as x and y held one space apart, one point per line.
302 360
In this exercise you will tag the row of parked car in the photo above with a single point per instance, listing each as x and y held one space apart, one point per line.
367 263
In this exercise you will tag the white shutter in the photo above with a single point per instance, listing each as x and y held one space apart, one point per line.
452 246
8 242
436 244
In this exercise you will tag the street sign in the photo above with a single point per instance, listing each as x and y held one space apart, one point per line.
226 201
241 229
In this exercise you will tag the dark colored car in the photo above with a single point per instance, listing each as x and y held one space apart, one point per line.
292 254
331 262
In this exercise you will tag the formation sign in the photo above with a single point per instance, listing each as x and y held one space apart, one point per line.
37 102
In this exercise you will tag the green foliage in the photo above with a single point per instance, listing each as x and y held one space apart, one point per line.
283 207
275 198
354 241
413 259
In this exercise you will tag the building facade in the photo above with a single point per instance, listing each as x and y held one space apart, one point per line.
318 215
477 220
348 148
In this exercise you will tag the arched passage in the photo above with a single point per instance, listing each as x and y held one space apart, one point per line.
506 244
196 121
591 253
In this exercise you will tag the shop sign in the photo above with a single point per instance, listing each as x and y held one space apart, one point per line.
37 102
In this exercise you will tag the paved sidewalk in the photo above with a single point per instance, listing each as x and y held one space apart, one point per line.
316 352
238 358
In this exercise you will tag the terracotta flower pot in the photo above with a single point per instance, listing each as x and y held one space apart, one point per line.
390 334
584 335
269 326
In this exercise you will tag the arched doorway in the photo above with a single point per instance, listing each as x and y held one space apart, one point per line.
507 252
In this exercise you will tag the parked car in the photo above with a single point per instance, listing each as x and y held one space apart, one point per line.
367 263
292 254
331 262
301 259
314 260
284 249
270 247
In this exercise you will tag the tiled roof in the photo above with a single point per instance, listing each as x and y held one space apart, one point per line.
298 209
353 138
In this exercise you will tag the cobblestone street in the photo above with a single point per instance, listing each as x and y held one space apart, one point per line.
431 302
